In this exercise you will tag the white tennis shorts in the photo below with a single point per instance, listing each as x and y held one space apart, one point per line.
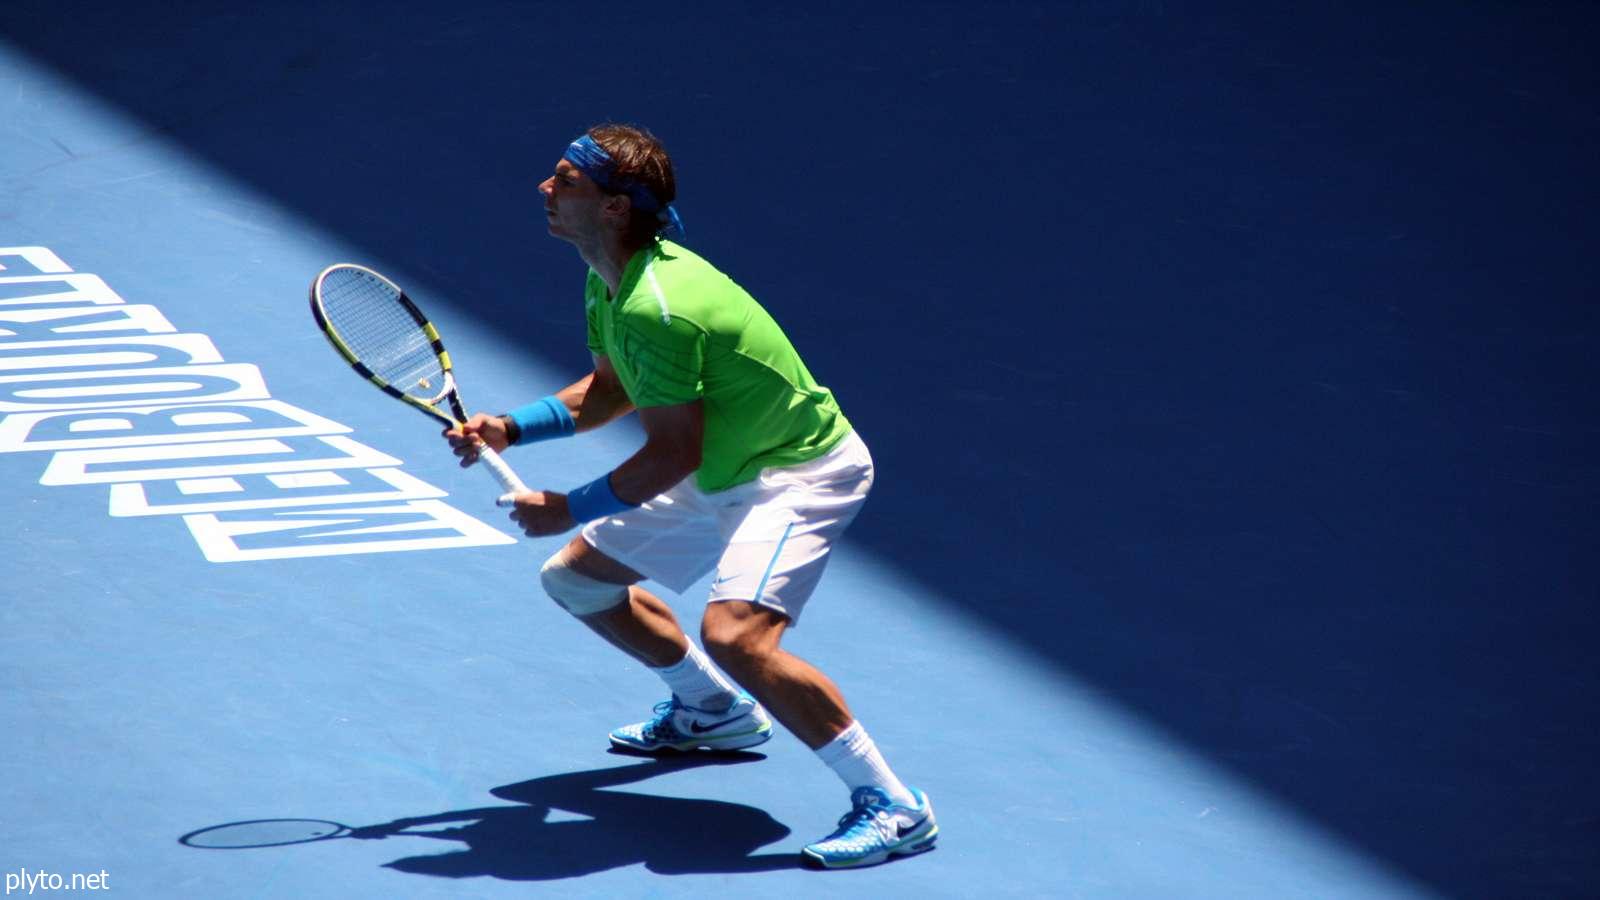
768 539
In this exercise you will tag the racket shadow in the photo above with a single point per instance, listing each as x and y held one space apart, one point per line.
595 828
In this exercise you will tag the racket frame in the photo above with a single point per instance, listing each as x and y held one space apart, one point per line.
449 391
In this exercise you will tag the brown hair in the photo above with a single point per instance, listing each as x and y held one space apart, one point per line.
640 159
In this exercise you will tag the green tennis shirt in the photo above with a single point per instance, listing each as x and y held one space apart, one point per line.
678 331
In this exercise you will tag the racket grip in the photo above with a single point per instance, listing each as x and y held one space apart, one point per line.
507 479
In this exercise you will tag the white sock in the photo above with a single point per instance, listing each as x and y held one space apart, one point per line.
855 759
698 683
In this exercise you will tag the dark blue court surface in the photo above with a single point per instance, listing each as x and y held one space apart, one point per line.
1229 367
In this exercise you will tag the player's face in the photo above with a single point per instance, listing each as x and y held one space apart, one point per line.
572 204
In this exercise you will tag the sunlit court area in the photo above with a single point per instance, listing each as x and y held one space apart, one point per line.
1228 371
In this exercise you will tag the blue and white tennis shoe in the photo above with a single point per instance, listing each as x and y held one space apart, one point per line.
679 727
874 830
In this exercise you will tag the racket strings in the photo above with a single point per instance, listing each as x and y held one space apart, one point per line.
381 332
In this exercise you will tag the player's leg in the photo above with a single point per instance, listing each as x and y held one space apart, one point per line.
774 560
887 818
705 710
634 620
743 638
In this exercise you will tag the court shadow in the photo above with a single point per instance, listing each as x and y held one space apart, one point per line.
570 825
1202 384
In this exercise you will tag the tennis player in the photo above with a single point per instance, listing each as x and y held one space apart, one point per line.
748 467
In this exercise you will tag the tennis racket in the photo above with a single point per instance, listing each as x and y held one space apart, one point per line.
382 334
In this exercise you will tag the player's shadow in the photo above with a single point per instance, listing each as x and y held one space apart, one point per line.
571 825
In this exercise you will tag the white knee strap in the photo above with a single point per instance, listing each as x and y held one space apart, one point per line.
577 593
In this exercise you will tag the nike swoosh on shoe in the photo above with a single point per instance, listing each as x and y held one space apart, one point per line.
698 728
902 828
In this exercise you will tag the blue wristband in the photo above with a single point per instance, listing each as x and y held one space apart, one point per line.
596 500
541 421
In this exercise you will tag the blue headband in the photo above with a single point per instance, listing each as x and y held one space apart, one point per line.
593 161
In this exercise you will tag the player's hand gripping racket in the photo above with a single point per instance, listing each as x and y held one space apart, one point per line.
389 342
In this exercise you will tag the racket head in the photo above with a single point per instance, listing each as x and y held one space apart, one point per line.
382 334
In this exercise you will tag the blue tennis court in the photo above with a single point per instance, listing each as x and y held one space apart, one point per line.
1229 368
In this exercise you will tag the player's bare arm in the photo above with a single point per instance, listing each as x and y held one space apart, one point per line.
591 401
671 452
598 398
